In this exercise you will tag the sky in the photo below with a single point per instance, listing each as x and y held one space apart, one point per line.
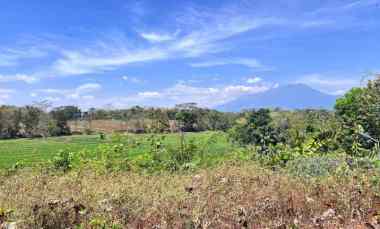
121 53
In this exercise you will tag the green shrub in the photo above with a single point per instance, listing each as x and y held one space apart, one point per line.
63 161
256 128
182 156
110 157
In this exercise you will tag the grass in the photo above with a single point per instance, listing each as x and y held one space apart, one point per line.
226 190
32 152
35 151
232 195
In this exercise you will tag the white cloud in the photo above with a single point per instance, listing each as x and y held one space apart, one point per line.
88 97
12 56
329 84
201 32
90 61
247 62
52 99
18 77
52 91
254 80
205 37
149 94
317 23
215 28
157 38
131 79
347 6
80 92
360 4
181 93
89 87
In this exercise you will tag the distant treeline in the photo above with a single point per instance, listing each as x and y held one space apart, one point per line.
353 125
38 121
35 121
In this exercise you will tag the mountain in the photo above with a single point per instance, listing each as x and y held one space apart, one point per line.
293 96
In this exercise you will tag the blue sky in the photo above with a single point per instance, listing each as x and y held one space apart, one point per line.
119 53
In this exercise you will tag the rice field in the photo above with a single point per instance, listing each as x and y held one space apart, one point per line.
33 152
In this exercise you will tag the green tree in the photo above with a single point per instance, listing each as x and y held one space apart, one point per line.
256 128
359 114
188 119
61 116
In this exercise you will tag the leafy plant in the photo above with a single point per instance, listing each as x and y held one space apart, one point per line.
63 161
256 128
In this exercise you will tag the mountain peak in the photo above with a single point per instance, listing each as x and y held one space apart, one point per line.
291 96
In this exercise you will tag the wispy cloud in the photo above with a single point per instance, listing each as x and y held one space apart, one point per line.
80 92
90 61
360 4
131 79
12 56
19 77
149 94
214 28
207 37
346 6
201 32
158 37
253 80
247 62
329 84
317 23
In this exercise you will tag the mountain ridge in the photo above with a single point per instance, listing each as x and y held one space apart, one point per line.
291 96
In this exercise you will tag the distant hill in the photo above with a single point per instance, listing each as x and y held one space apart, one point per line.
293 96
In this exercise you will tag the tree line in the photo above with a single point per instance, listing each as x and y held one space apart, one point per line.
35 121
38 121
353 126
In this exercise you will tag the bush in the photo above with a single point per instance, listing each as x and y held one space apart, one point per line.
63 161
182 156
307 167
256 128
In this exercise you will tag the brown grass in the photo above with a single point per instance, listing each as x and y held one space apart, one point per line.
230 196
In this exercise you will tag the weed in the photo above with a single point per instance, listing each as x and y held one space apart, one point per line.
63 161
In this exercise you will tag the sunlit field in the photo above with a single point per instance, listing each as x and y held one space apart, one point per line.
34 152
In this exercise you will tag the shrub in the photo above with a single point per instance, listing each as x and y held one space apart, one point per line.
110 157
63 161
308 167
182 156
256 128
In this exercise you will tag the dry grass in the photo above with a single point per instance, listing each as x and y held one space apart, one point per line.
230 196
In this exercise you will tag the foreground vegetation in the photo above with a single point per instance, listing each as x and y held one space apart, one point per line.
233 195
259 168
